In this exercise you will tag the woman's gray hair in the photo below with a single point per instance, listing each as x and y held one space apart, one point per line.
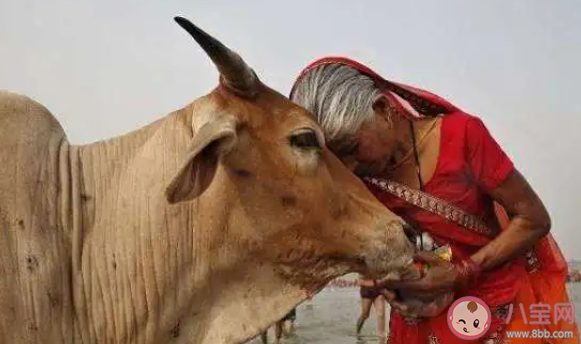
340 98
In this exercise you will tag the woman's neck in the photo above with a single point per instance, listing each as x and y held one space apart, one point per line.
404 150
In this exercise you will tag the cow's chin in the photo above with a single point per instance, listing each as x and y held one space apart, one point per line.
315 271
397 268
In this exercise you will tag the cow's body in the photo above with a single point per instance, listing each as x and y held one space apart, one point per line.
185 231
35 220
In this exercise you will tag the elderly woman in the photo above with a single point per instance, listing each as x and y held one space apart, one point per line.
441 169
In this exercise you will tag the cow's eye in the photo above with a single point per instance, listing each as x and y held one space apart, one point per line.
305 139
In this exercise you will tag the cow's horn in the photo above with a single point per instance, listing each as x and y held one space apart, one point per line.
236 74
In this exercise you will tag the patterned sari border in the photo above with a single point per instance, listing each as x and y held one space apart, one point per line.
432 204
444 209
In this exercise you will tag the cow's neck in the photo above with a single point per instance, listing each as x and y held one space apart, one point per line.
136 280
120 253
245 305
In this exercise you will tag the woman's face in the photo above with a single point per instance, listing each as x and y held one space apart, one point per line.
368 153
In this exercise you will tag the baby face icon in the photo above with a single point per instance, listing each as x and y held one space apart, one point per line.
469 318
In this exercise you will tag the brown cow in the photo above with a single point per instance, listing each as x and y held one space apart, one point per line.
203 227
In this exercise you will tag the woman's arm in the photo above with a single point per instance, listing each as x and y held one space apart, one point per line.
529 222
495 174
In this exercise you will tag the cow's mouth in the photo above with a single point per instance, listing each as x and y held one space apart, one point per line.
397 269
396 257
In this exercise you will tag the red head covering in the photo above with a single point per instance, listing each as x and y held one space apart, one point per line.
415 102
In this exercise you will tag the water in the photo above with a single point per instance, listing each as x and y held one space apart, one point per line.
330 318
575 295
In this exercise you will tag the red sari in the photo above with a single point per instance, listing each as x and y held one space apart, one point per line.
470 165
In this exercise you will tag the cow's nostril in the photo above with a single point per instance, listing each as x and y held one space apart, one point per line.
410 232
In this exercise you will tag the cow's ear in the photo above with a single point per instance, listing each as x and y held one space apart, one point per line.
197 170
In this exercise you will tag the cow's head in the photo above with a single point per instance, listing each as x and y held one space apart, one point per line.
276 213
291 201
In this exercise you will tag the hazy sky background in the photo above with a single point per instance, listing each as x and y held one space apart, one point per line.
108 67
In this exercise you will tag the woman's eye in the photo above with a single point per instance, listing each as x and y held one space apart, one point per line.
305 140
476 322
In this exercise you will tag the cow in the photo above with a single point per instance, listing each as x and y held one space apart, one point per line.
205 226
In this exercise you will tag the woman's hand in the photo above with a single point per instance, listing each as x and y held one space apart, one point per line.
441 277
410 308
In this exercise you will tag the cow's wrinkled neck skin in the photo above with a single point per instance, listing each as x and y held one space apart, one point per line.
145 271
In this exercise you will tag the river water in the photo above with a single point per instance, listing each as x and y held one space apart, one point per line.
329 318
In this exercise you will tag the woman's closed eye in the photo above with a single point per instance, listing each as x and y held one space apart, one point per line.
348 150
